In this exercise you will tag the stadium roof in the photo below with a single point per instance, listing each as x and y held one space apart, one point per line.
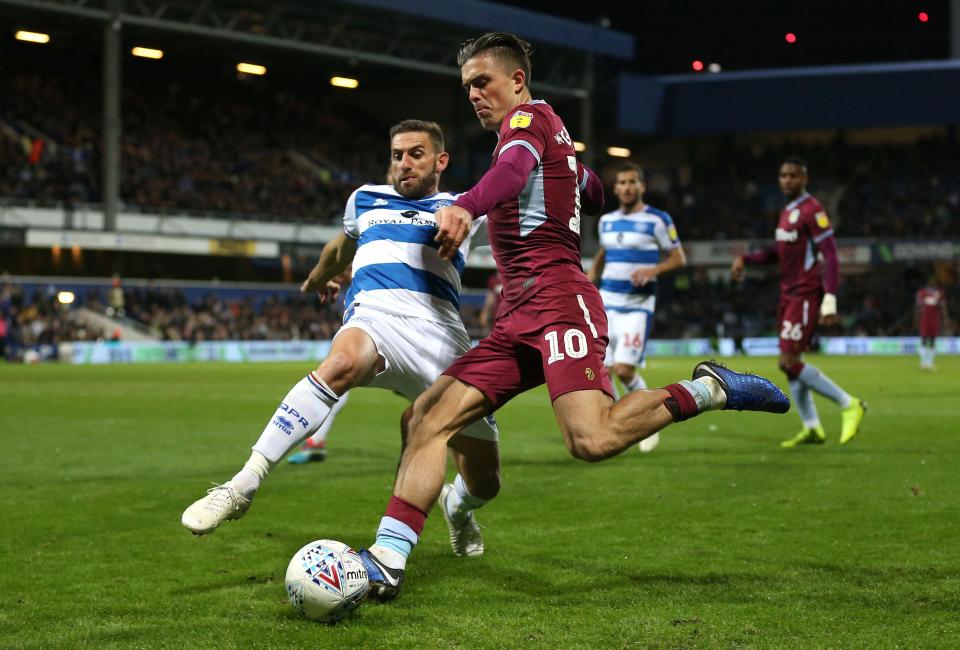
411 35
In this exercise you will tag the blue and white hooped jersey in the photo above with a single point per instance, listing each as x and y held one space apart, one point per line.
397 268
632 241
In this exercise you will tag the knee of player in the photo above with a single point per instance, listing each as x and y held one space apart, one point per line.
339 367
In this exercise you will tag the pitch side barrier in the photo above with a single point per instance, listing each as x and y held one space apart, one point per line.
101 352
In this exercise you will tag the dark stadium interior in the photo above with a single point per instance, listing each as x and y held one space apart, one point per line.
199 138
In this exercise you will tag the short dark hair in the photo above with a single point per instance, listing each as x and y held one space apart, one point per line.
420 126
504 46
796 160
631 167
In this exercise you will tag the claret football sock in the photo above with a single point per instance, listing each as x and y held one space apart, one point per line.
688 398
813 378
399 529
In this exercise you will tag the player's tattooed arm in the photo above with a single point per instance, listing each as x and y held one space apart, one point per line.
336 256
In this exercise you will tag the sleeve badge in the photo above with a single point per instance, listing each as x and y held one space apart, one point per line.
822 220
672 232
521 120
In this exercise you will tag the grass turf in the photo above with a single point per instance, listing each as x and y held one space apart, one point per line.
717 539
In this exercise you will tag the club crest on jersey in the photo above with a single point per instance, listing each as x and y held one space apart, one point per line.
442 203
822 220
794 215
521 120
589 373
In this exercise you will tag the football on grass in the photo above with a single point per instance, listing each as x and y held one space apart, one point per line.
326 580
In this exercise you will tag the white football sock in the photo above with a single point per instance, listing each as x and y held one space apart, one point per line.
637 383
321 434
460 502
248 479
300 414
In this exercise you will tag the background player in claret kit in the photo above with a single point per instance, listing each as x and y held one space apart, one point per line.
930 315
637 244
808 295
550 326
401 329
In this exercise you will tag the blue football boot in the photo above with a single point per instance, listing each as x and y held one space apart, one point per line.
385 582
744 392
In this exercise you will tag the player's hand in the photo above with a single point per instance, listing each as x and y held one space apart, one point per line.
327 291
453 224
736 269
641 276
828 310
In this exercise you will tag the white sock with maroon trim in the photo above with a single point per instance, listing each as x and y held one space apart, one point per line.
302 411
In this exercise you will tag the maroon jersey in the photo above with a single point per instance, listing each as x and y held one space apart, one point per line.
930 302
803 225
535 237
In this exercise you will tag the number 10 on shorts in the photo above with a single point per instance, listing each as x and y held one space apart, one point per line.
574 343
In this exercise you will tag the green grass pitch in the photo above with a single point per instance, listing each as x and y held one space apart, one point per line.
718 539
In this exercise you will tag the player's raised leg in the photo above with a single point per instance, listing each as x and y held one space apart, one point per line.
353 360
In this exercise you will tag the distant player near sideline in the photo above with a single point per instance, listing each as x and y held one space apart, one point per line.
808 295
930 315
638 243
550 326
402 327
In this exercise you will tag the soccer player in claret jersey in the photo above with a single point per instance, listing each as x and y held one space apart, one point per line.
808 295
401 328
550 326
929 317
638 243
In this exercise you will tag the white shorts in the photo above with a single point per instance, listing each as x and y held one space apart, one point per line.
628 332
416 351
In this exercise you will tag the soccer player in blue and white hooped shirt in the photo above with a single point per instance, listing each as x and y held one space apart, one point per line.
401 329
637 244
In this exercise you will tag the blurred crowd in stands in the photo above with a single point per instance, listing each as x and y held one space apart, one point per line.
692 306
244 149
32 320
898 191
186 149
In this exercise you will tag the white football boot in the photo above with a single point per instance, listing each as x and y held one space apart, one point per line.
466 540
221 504
649 443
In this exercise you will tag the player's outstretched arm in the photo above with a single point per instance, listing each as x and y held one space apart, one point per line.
335 257
831 280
